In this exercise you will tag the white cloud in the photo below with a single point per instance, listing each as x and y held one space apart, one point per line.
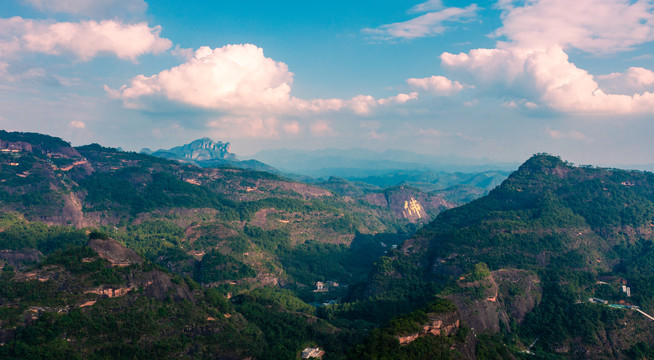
433 133
183 53
76 124
366 104
594 26
519 104
376 135
321 128
234 77
398 99
569 135
439 85
238 79
429 24
543 75
85 39
510 104
634 80
97 9
246 126
292 128
530 67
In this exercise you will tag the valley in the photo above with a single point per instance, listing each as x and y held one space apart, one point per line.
109 253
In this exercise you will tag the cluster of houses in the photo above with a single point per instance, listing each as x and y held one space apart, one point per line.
324 286
14 152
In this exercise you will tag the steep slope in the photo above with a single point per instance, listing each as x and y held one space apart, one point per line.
570 233
89 302
405 202
227 227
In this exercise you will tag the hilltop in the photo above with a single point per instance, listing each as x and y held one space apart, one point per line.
521 263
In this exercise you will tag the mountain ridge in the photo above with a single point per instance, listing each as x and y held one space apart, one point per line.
579 232
517 264
205 152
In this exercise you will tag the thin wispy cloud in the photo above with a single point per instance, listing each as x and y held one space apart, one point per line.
431 5
567 135
430 24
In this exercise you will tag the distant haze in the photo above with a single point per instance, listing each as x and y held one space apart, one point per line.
493 79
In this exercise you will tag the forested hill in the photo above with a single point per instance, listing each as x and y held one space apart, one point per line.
124 255
522 263
549 208
235 242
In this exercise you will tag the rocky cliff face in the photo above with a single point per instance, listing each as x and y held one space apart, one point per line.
17 258
114 252
438 325
411 204
203 149
491 303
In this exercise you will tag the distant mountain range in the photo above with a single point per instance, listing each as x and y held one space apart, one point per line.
362 166
357 162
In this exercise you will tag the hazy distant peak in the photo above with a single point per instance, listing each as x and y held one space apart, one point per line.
198 150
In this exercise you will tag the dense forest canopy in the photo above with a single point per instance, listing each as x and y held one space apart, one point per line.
106 253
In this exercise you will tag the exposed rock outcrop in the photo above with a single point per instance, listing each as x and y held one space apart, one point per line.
490 304
111 291
114 252
199 150
17 258
438 325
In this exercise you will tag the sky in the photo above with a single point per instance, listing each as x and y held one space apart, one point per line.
497 79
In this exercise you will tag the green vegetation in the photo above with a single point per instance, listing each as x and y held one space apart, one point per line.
125 189
151 237
44 142
219 267
286 324
479 272
209 248
19 234
383 343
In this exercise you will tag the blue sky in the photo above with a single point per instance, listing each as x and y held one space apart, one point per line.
498 79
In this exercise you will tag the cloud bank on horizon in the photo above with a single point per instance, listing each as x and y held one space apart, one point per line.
554 68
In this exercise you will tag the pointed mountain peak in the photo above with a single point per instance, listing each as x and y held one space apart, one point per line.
198 150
